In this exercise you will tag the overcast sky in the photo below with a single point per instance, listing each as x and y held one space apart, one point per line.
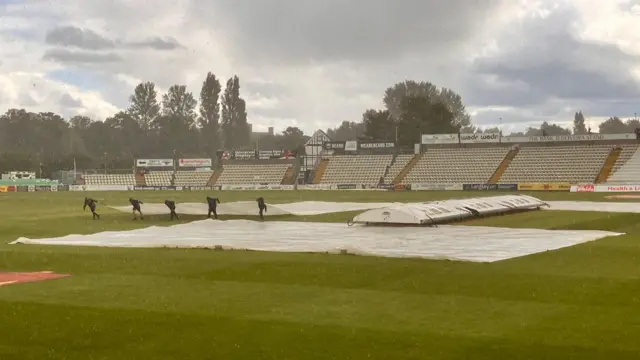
313 64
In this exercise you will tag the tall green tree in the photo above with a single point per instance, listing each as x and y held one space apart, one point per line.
579 126
379 125
235 128
347 130
394 97
209 119
292 138
143 105
548 129
177 123
422 116
127 133
244 133
19 131
613 125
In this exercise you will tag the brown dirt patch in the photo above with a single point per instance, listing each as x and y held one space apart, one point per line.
10 278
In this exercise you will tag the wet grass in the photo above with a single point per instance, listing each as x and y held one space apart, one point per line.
574 303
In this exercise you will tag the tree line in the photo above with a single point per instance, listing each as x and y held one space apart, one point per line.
180 125
413 108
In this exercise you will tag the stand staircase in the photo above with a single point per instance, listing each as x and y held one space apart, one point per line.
407 169
214 177
317 176
289 178
495 178
608 165
140 180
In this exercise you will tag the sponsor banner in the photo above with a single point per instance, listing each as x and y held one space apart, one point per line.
570 138
387 186
270 154
31 188
199 188
605 188
334 145
480 138
348 186
257 187
161 163
10 188
490 187
377 145
440 139
43 188
194 162
545 187
315 187
244 155
402 187
22 188
436 187
351 145
583 188
153 188
100 188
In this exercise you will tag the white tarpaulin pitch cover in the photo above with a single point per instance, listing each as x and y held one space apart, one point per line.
482 244
251 208
598 206
323 207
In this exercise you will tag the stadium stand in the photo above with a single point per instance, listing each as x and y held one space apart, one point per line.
456 165
110 179
399 163
158 178
192 178
355 169
574 164
252 174
627 167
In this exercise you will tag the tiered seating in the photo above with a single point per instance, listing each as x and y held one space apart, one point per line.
573 164
457 165
252 174
395 169
627 168
356 169
192 178
110 179
158 178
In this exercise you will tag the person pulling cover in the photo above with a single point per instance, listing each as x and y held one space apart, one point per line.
136 207
172 206
91 203
213 204
261 206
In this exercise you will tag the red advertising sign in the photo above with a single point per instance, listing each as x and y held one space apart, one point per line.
586 188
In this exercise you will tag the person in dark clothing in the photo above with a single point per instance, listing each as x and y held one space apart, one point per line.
91 203
213 204
172 206
262 207
136 207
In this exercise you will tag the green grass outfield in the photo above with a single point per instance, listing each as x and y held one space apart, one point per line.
146 304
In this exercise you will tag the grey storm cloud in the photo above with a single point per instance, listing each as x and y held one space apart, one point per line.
27 100
550 61
158 43
87 39
67 101
336 30
80 57
71 36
